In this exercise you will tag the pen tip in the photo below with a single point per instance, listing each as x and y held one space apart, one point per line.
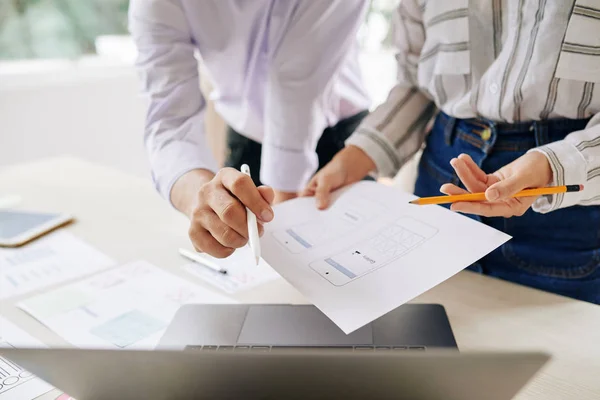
257 260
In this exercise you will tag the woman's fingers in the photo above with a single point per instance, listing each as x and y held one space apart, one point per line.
452 190
467 177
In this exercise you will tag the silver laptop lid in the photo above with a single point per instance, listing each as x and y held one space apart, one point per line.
306 374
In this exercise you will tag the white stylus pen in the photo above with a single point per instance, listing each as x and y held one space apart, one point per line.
198 259
253 238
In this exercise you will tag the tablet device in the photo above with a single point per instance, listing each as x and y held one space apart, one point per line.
20 227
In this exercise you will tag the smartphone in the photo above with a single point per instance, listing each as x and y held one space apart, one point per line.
388 245
20 227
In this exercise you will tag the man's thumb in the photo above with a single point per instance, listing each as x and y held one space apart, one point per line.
504 189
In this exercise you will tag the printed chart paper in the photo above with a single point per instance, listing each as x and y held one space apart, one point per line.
15 382
371 251
242 273
128 306
52 259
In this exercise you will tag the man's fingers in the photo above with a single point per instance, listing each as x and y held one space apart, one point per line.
223 233
467 177
261 229
323 192
452 190
203 241
229 210
267 193
243 188
309 190
505 188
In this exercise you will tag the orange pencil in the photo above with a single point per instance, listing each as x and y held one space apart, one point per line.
481 196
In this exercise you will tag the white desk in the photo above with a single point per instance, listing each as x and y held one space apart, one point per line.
124 217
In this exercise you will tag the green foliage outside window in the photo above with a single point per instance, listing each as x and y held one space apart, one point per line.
57 28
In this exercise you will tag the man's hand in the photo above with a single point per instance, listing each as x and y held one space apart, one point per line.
280 196
348 166
529 171
217 210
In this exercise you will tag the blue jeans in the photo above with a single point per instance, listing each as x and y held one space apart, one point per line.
557 252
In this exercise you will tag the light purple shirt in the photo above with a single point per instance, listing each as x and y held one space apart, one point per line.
282 71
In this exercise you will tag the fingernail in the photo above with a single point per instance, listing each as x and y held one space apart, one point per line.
266 215
492 194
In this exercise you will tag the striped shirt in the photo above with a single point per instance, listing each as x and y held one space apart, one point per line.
505 60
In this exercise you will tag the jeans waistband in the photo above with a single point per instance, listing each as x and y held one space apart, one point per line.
521 136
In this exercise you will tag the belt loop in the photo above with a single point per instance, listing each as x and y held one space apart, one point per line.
540 131
488 134
449 130
491 142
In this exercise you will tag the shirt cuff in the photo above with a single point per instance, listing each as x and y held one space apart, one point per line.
569 167
287 170
174 160
378 148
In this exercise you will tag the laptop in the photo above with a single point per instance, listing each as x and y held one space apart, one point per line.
242 327
280 374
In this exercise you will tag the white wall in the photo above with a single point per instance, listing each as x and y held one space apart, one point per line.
93 112
91 109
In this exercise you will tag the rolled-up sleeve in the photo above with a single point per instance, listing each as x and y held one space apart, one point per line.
174 131
396 129
304 62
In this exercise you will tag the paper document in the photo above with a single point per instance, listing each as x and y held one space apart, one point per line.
52 259
242 273
15 382
128 306
371 251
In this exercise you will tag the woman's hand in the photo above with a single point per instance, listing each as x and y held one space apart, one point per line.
531 170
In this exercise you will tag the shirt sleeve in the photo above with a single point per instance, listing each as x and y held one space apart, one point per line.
304 62
395 130
574 160
174 131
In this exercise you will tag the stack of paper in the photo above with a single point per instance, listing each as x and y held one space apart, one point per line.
129 306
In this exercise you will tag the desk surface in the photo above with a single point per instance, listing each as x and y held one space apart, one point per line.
124 217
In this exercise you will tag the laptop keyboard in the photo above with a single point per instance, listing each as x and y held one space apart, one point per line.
267 349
